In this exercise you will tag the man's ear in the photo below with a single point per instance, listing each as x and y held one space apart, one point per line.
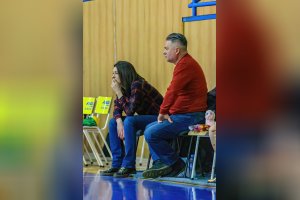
177 51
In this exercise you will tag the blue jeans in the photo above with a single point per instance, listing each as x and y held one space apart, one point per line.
158 135
125 156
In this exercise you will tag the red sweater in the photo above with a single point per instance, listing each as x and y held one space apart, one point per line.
187 92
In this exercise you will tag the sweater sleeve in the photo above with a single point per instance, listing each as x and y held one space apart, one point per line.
117 109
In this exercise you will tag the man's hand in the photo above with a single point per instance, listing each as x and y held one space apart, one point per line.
162 117
120 128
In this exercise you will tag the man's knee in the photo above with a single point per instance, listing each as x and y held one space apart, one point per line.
150 134
147 135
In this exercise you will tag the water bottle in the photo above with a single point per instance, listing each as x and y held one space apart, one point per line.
190 165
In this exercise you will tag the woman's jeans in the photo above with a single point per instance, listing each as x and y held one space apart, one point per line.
158 135
125 156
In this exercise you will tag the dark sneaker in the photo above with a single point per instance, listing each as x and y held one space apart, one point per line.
158 169
109 172
177 168
124 172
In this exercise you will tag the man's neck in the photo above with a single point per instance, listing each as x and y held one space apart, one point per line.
180 56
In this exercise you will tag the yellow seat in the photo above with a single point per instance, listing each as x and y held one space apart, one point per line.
102 107
88 107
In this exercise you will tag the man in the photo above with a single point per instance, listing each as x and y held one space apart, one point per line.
184 104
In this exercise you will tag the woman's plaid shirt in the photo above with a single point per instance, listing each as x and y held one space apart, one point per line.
144 99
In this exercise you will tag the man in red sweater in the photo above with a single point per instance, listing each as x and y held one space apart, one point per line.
184 104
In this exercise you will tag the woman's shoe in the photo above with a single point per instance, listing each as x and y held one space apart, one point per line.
125 172
109 172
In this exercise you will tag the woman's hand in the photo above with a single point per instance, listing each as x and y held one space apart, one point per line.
116 88
120 128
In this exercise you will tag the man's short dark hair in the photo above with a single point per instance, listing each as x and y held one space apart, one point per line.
178 37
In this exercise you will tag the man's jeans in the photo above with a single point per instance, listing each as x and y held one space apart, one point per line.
126 158
158 135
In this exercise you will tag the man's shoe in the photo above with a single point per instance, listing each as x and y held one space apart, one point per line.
124 172
177 168
109 172
158 169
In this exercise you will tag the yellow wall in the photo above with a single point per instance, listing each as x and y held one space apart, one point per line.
139 29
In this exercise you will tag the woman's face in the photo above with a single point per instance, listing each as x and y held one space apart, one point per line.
115 75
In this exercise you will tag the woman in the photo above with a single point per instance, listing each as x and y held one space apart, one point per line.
134 95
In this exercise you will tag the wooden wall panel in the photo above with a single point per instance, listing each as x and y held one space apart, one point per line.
201 38
98 47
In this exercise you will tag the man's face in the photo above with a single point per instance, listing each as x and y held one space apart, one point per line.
171 51
115 75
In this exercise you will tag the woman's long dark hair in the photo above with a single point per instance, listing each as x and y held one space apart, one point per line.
127 75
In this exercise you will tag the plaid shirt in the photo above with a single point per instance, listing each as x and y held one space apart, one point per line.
144 99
